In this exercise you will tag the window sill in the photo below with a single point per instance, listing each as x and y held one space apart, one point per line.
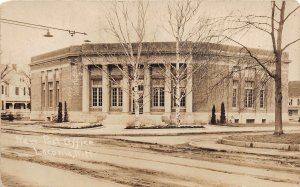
158 107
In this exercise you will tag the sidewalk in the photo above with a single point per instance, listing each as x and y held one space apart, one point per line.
118 130
258 151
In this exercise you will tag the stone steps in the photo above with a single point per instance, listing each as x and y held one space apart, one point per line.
115 119
121 119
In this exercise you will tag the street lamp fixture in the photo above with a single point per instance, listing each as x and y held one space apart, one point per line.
48 35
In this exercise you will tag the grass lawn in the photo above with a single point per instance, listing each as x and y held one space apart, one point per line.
293 138
69 125
165 127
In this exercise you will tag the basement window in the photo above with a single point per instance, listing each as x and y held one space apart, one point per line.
250 120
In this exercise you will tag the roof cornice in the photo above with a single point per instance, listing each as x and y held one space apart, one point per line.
150 48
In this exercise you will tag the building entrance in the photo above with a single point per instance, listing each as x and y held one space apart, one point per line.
141 103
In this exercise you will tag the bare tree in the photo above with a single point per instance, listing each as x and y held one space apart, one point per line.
129 31
5 70
273 26
192 33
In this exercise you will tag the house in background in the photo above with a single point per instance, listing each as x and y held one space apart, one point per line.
15 97
4 93
294 100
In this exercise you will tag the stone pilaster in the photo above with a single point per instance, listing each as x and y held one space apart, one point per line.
54 91
85 89
46 91
105 88
147 97
126 90
189 89
168 89
60 84
42 103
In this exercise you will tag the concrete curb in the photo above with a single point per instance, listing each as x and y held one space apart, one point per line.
60 133
288 147
238 149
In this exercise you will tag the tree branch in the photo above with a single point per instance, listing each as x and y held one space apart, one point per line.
291 13
254 57
290 44
272 31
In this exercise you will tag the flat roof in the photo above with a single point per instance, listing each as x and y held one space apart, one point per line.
149 47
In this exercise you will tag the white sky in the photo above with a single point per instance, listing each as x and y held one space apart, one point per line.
19 44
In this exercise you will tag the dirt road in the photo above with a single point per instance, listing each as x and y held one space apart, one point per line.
48 160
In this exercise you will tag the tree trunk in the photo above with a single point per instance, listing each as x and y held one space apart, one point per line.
29 92
177 103
278 83
278 100
177 84
136 102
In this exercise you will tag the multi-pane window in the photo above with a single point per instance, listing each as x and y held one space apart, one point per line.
158 97
262 99
234 97
181 97
249 94
234 94
249 98
24 91
182 101
116 97
96 93
94 96
97 96
50 96
140 87
140 100
43 94
120 97
290 102
57 92
17 91
2 89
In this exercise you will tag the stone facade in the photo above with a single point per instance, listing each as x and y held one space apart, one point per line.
95 80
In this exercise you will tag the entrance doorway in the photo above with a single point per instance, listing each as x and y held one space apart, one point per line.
141 102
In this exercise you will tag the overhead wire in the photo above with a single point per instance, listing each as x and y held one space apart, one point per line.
38 26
